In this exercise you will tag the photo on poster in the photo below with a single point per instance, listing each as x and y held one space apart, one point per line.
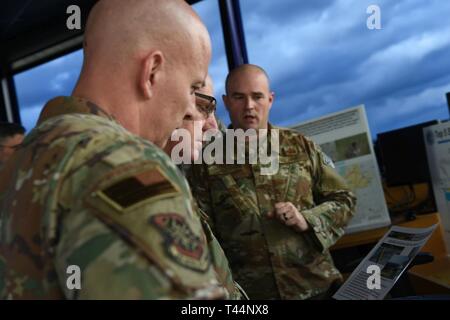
352 147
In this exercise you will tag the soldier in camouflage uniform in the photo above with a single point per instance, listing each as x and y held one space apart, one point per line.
206 105
276 230
88 190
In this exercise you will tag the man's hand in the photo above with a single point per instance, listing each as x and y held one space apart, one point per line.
288 214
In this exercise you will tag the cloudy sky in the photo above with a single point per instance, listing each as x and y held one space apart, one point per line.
321 58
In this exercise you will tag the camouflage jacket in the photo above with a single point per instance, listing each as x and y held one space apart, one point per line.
219 260
82 191
269 259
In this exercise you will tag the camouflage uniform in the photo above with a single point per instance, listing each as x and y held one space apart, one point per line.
219 259
220 262
269 259
84 191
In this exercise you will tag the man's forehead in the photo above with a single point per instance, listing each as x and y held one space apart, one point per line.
248 72
251 77
197 67
249 85
252 92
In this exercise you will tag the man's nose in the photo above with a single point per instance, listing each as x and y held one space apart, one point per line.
190 110
249 103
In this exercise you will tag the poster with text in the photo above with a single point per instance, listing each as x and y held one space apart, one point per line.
437 142
345 137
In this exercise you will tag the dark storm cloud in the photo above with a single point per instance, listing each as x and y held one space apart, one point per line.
321 58
328 60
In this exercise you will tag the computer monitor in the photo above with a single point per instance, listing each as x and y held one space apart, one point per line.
403 155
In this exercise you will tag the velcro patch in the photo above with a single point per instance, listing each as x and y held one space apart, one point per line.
133 190
181 244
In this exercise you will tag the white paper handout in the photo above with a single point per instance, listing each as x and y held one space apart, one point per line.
382 267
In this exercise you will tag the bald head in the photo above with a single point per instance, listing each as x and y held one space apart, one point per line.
249 98
138 54
120 29
244 68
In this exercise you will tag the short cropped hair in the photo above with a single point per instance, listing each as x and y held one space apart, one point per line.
8 129
243 67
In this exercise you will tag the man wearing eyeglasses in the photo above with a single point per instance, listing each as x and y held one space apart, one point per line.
275 229
195 124
211 120
11 136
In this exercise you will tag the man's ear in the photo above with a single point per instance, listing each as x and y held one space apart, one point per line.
225 100
271 98
150 72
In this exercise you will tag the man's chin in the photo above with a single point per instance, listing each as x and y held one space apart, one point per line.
247 126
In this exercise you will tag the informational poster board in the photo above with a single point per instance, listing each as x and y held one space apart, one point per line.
345 137
437 142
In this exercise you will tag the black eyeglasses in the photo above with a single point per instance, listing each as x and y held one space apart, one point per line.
205 104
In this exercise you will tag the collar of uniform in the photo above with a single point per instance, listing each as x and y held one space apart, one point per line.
67 105
246 149
269 126
288 147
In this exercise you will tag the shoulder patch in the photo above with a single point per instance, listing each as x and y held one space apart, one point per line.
150 212
181 244
327 160
149 184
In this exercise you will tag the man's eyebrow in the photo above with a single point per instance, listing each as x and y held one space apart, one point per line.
236 93
258 92
199 84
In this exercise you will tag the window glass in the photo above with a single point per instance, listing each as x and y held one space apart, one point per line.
36 86
322 57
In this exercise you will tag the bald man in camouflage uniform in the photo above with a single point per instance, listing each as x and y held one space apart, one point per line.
87 194
276 229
